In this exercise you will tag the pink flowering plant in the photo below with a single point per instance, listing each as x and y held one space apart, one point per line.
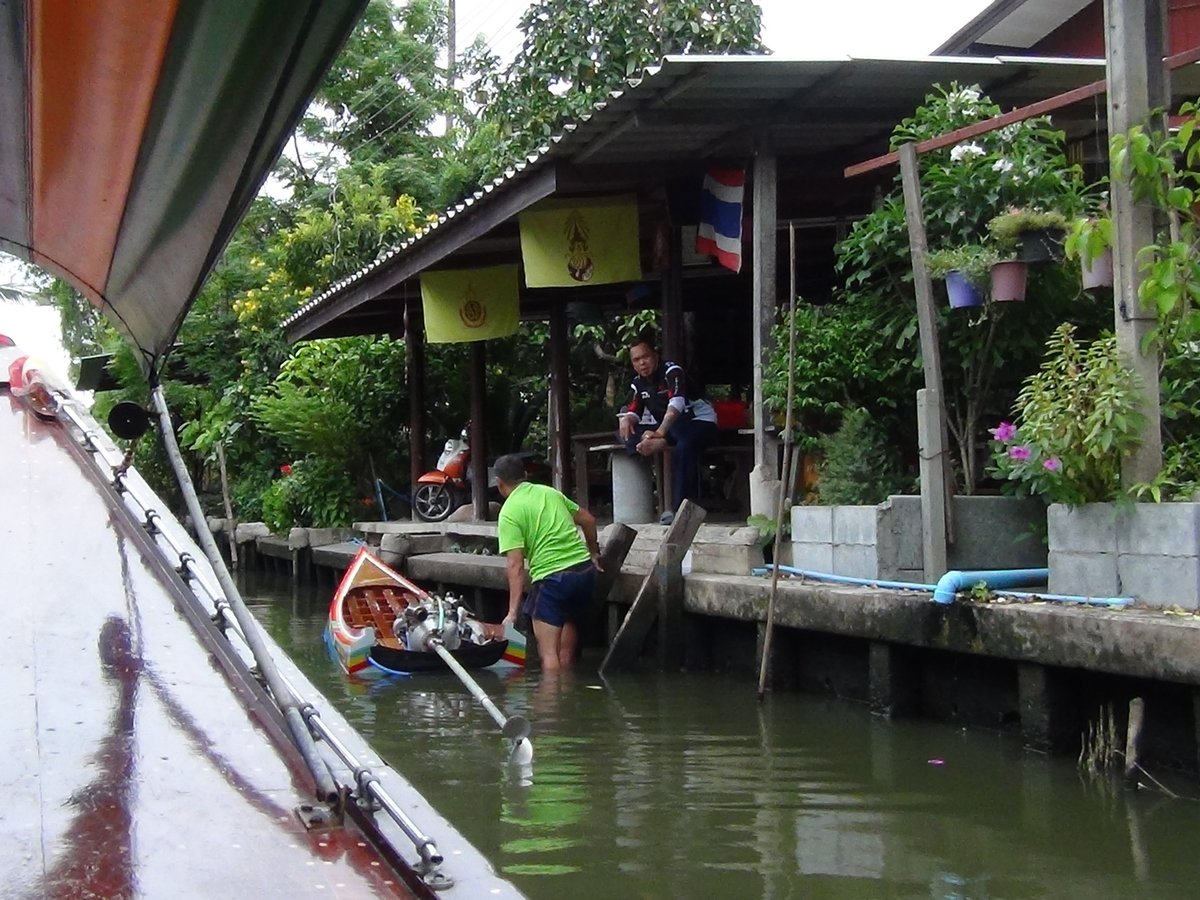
1077 417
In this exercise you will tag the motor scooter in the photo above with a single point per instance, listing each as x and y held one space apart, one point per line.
440 491
443 490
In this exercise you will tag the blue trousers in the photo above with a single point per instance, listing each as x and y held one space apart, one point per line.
688 438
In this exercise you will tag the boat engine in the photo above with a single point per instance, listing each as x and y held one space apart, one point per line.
433 619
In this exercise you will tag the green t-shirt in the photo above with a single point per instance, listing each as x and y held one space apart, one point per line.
539 520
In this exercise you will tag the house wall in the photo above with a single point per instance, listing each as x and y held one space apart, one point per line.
1083 34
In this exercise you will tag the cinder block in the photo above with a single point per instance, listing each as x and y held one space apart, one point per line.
733 559
813 556
998 533
855 560
1085 574
899 533
1160 580
1170 529
250 531
855 525
812 523
1084 529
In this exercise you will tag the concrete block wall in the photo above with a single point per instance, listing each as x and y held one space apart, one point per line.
884 541
1149 551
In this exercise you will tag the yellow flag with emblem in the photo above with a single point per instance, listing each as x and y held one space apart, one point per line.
574 242
464 305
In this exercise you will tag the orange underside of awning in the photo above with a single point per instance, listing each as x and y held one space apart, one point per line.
93 72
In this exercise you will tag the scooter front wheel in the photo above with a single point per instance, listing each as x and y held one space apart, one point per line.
433 502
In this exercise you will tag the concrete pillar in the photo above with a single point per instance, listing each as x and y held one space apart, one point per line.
894 684
1041 708
633 490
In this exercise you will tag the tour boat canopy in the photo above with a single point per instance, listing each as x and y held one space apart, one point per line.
135 133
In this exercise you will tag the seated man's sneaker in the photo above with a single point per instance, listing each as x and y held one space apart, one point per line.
666 518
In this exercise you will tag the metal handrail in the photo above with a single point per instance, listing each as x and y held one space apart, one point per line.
366 779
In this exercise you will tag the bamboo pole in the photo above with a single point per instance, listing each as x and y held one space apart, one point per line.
784 490
230 521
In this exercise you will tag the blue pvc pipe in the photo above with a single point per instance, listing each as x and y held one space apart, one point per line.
952 582
845 579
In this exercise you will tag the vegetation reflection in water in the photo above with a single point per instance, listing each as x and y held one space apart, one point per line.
682 786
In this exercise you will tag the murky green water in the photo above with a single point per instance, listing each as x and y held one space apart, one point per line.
682 786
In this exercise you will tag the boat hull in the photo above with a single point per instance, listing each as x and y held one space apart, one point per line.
469 656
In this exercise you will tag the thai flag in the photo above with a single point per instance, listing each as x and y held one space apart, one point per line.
720 232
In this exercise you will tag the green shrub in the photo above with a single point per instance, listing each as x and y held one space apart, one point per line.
859 463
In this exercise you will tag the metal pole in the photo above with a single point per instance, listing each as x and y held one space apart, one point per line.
515 728
288 704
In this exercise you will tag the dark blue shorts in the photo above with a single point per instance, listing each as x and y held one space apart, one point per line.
562 597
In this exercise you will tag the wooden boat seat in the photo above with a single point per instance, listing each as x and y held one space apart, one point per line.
377 608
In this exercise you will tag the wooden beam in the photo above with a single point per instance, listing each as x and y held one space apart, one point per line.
642 613
414 364
1135 37
1040 108
479 478
931 412
560 400
668 580
763 251
672 298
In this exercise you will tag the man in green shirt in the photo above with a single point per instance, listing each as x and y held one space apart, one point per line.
538 523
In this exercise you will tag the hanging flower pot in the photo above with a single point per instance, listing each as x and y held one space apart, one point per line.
1097 272
1008 280
1036 234
1041 245
961 292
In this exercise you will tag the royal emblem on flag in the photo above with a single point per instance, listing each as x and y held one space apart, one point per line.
568 242
464 305
720 231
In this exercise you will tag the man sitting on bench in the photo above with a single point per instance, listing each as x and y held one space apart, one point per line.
666 411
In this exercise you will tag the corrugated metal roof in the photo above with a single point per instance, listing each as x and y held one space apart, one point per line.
694 109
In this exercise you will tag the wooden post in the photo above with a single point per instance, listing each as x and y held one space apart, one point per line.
414 363
931 411
612 556
763 249
672 298
636 626
560 400
230 521
479 477
1135 39
1133 735
668 578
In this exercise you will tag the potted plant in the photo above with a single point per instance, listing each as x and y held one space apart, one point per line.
1009 277
1090 241
965 269
1036 233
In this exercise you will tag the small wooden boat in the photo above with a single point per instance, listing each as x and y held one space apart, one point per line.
381 621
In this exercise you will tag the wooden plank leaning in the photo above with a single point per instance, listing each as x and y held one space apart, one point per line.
642 613
616 547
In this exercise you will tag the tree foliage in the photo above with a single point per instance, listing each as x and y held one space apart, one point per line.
576 52
305 429
870 331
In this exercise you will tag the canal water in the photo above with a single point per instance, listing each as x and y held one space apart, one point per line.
683 786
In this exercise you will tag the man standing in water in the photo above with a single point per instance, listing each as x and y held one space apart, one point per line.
538 523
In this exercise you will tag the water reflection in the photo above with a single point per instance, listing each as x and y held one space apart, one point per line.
683 786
